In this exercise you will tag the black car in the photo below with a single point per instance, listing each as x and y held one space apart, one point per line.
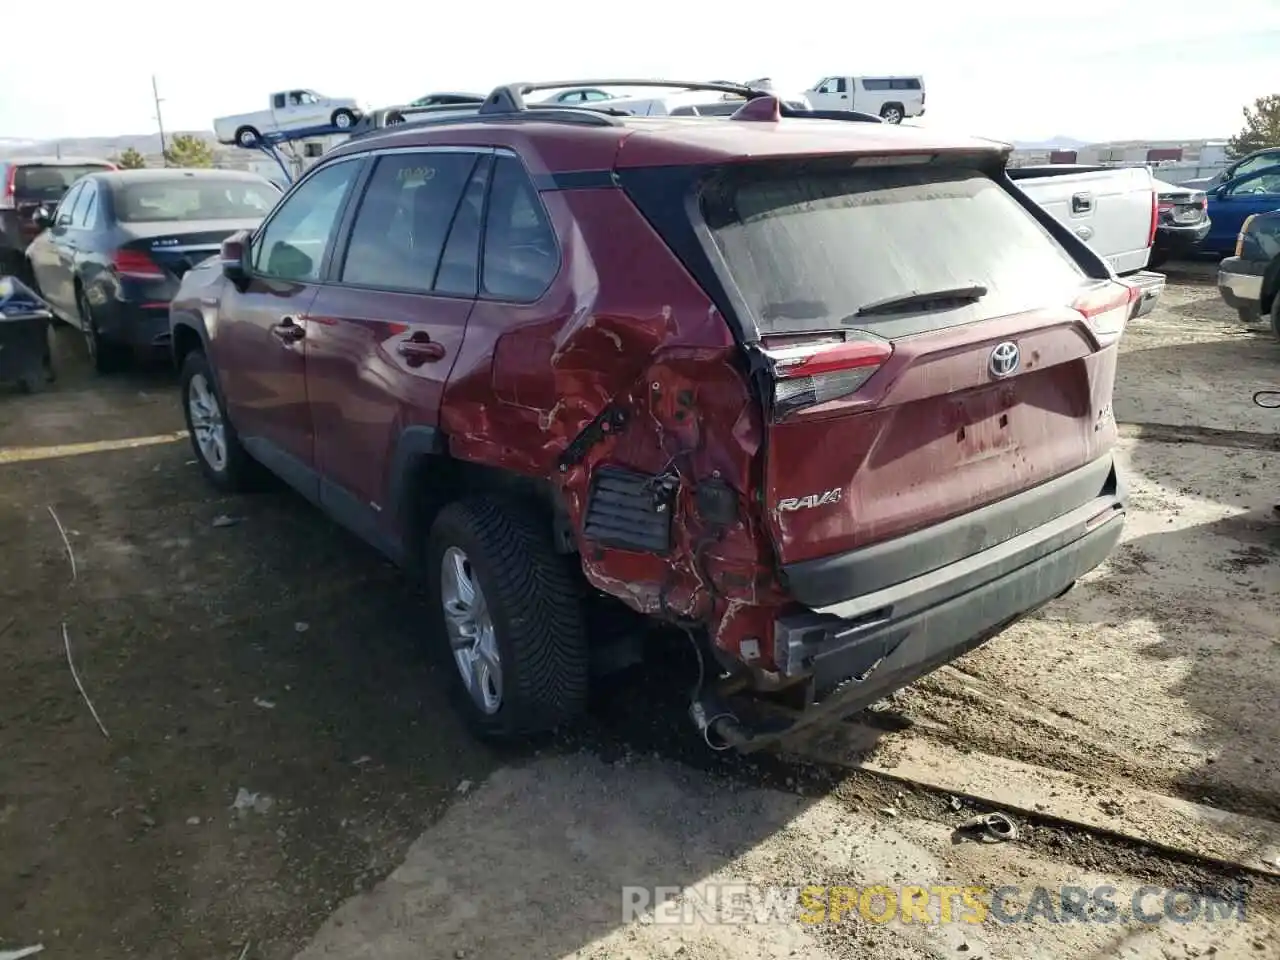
111 254
1183 221
1249 282
25 184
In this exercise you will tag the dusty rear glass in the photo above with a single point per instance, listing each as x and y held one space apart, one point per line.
205 199
808 247
46 183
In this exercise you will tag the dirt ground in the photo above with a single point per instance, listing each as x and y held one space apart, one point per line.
282 772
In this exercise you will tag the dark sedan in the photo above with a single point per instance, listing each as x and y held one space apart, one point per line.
110 256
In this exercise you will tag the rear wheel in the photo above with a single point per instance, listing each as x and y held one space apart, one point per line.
512 619
343 119
891 113
106 357
219 453
247 137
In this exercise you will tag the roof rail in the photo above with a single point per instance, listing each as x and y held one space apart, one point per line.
509 98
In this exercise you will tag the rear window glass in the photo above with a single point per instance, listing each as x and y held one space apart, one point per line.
204 199
807 251
47 183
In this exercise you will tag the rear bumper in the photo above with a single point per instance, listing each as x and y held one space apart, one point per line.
1240 284
1176 240
1150 287
855 651
142 326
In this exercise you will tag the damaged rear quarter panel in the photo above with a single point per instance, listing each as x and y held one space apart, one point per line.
624 323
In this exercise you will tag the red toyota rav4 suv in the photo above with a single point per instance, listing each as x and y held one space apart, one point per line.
832 397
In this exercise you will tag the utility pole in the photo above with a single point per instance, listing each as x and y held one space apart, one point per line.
164 149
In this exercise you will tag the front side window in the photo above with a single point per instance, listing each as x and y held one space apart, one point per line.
520 253
1264 184
293 243
403 219
66 209
809 248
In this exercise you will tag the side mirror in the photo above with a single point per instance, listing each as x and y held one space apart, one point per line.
234 251
42 217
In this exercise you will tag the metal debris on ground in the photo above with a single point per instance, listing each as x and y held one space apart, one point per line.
21 952
66 643
464 786
222 520
246 801
990 828
301 626
264 704
65 542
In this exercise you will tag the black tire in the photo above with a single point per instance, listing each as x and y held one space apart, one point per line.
1249 317
106 357
536 605
343 119
1275 316
893 109
247 137
239 472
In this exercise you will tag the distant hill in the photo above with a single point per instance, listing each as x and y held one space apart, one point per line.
1053 143
147 144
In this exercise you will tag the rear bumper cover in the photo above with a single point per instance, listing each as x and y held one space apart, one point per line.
859 649
1150 287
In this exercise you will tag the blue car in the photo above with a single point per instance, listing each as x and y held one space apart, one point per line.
1233 202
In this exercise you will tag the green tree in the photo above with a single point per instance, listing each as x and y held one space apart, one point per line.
131 159
1261 127
188 150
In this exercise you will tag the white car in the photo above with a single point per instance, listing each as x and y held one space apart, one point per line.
892 99
288 111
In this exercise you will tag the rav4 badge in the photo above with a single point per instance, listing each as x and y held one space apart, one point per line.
812 500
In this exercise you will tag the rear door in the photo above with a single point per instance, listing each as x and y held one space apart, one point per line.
892 415
384 335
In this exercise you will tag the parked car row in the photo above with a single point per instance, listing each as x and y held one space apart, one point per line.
111 250
577 358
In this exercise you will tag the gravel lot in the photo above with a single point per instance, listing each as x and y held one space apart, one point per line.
275 659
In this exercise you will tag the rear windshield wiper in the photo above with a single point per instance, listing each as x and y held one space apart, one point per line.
933 300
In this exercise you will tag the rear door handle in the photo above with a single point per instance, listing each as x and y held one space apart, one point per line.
420 349
288 330
1081 202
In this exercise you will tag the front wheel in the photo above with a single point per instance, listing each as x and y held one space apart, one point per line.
247 137
512 619
221 457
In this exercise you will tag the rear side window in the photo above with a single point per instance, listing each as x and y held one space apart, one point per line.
404 217
809 250
521 257
48 183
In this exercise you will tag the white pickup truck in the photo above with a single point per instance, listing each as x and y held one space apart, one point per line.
1112 209
287 110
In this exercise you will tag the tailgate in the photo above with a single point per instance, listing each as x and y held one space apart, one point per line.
1110 210
933 350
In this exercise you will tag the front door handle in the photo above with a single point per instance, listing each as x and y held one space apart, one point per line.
420 349
288 330
1081 203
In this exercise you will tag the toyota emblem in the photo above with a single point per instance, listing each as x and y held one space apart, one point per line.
1004 359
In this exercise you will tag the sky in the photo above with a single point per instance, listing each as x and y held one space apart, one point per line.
1092 69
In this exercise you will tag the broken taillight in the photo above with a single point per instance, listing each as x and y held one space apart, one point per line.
812 370
136 264
1107 308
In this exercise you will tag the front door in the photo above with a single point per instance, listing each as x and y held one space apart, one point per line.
386 331
1236 201
51 257
831 94
263 324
